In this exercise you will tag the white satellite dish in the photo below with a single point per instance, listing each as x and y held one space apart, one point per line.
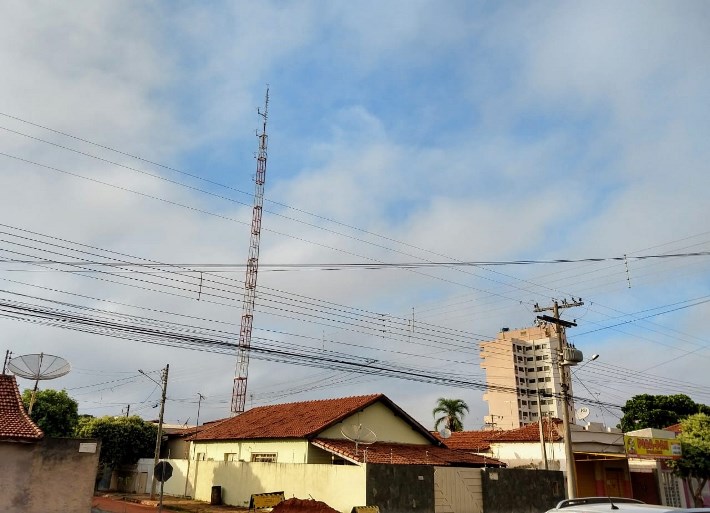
445 432
582 413
359 434
38 367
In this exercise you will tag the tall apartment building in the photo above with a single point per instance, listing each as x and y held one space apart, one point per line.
521 366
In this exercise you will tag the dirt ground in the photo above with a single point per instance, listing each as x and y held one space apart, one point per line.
303 506
141 503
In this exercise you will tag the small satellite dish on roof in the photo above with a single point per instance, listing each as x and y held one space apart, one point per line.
359 434
38 367
582 413
445 432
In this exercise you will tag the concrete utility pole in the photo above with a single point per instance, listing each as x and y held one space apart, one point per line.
567 356
159 439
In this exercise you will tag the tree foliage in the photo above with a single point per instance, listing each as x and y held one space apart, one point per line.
53 411
694 466
657 411
453 411
123 439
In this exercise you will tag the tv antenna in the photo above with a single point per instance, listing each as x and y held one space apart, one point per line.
38 367
359 434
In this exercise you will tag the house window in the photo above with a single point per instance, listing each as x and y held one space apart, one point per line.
230 456
200 456
263 457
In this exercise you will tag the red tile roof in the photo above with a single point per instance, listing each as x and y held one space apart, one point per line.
531 433
676 428
479 441
404 454
15 424
476 441
296 420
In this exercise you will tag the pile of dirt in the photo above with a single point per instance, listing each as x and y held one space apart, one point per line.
303 506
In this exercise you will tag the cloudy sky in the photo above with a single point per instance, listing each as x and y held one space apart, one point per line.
399 132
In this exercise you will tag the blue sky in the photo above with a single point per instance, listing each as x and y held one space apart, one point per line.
398 132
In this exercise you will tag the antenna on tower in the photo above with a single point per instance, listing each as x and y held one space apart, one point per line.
239 391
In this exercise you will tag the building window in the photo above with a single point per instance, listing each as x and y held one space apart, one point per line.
200 456
533 403
538 358
539 369
530 358
548 378
230 456
263 457
531 369
547 367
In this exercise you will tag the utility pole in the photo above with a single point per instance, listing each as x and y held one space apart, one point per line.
159 439
566 356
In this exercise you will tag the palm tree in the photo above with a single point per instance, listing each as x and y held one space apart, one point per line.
453 411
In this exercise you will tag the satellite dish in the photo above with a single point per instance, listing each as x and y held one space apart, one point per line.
445 432
359 434
38 367
582 413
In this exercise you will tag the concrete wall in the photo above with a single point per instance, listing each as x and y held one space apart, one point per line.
510 490
339 486
400 488
50 476
383 422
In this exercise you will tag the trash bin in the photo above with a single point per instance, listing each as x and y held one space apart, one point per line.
216 497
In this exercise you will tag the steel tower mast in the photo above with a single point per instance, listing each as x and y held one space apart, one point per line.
239 391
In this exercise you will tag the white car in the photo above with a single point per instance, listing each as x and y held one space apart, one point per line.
610 504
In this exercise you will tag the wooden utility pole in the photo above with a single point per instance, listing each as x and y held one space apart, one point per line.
566 356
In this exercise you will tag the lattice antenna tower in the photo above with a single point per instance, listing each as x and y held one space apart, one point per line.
241 374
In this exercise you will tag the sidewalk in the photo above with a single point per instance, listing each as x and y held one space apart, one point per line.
141 503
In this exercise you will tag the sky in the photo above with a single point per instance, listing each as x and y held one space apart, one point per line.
413 132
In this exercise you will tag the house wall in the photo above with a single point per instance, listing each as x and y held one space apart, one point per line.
527 454
287 451
339 486
387 426
34 477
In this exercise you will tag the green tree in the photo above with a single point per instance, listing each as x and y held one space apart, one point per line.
453 411
123 439
657 411
694 466
53 411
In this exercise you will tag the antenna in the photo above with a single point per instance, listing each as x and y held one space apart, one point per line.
38 367
239 390
359 434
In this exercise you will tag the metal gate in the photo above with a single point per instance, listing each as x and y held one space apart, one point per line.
458 490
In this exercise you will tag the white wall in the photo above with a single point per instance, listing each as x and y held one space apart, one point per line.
339 486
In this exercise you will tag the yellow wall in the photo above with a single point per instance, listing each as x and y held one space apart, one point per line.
339 486
385 424
288 451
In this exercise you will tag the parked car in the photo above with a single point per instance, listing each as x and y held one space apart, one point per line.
622 504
